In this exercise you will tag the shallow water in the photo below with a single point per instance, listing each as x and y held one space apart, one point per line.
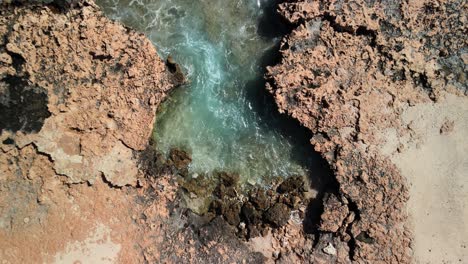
222 117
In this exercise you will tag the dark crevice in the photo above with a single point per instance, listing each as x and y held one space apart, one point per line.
8 141
360 31
17 61
126 145
336 26
49 158
421 79
100 57
352 207
23 107
271 24
363 31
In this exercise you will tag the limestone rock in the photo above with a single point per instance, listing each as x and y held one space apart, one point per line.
80 87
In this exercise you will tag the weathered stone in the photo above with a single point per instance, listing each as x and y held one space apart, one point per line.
180 160
176 70
295 183
228 179
260 199
231 212
250 214
278 215
60 89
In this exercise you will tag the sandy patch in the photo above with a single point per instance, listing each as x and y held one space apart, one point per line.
97 248
434 159
263 244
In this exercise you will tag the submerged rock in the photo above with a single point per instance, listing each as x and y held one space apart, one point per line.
176 70
256 210
180 160
227 179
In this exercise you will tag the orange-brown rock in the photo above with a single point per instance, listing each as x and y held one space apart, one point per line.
347 72
89 89
78 97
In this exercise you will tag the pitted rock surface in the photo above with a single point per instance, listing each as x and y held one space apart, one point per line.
347 72
80 87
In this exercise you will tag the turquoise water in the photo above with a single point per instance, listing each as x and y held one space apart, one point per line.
222 117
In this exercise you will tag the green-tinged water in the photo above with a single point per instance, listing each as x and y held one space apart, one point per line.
222 116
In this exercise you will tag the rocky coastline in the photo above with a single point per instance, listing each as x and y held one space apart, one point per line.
80 179
348 73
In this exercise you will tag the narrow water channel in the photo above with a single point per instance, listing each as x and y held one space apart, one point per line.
223 117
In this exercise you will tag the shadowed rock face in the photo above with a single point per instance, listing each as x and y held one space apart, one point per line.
22 107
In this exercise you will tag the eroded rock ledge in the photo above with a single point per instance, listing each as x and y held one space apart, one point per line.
347 73
78 96
80 88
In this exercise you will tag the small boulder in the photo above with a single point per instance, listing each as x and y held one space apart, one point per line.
278 215
231 212
228 179
250 214
260 199
330 249
179 159
295 183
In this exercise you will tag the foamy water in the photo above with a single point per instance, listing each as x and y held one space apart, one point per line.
220 117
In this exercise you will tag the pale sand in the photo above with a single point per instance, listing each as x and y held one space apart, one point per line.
97 248
436 167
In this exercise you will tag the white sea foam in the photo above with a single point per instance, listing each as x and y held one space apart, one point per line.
215 117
